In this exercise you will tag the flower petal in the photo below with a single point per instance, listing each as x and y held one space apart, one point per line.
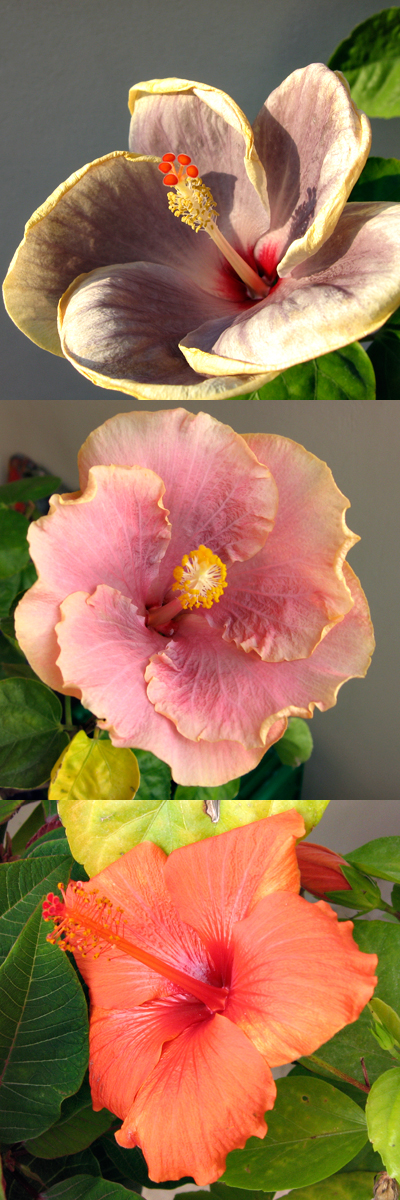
217 492
125 1045
297 976
124 323
35 620
346 291
217 882
117 530
105 647
206 1096
179 115
148 919
211 689
314 142
284 600
113 210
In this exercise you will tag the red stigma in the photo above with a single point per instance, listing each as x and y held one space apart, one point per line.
184 159
52 907
170 179
192 171
169 158
164 167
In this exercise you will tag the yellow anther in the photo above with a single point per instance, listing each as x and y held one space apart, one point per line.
201 578
194 204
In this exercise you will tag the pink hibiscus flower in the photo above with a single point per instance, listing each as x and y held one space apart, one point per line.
258 525
290 271
205 969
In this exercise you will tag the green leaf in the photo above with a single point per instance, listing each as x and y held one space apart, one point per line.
345 1050
227 791
43 1036
364 894
9 805
33 488
379 180
221 1192
49 844
76 1129
313 1130
296 745
11 589
385 358
344 374
131 1164
355 1186
31 736
28 829
33 1171
370 60
395 897
14 550
155 777
380 857
94 785
22 885
84 1187
383 1119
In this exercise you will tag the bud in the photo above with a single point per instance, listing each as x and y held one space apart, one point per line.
386 1029
320 870
385 1188
326 875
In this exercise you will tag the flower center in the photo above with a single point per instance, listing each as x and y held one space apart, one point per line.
193 202
201 579
88 923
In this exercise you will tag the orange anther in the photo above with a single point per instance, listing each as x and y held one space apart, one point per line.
169 158
171 179
184 159
192 172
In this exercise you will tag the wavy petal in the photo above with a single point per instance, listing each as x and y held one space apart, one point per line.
105 647
115 532
314 143
209 688
179 115
344 292
113 210
214 1087
217 882
217 492
297 976
35 619
125 1045
287 597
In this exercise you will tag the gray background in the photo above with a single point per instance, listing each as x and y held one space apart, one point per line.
67 67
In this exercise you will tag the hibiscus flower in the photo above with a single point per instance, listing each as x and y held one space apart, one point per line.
205 969
155 307
196 628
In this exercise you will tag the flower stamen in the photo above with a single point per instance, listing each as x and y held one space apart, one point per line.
194 203
201 579
88 923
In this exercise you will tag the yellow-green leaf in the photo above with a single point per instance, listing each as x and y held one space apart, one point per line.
94 784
